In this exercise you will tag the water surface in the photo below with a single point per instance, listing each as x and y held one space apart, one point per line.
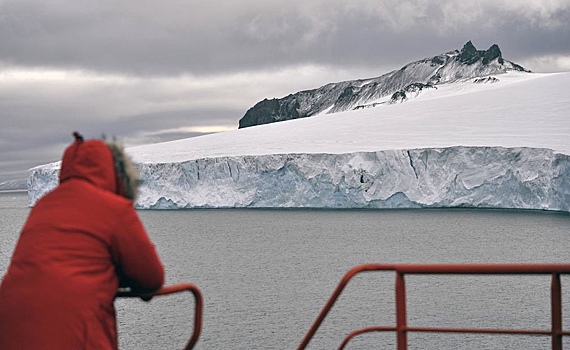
265 275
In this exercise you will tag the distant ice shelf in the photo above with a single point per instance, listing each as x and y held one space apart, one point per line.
478 177
466 144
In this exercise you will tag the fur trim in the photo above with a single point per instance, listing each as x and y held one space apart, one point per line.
126 172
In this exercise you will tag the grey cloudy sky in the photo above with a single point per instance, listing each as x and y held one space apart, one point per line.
150 71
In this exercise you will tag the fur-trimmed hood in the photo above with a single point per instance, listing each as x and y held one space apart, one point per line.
126 172
103 163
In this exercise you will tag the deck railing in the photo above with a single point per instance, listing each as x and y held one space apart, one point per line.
402 329
198 309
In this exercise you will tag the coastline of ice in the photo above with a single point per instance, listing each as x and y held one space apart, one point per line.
480 177
500 145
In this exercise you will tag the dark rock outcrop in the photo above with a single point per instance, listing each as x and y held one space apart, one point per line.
269 111
402 95
470 55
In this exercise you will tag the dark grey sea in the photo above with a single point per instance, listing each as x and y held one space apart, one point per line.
265 275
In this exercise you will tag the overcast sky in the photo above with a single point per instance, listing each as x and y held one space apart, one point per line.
147 71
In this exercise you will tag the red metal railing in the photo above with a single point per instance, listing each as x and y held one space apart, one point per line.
401 328
198 310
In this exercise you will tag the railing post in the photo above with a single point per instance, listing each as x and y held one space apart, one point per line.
198 310
401 324
555 270
556 301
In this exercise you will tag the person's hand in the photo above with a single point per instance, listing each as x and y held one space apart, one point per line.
146 297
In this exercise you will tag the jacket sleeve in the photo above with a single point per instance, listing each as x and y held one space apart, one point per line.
137 262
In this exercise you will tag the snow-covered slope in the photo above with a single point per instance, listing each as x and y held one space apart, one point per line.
396 86
502 143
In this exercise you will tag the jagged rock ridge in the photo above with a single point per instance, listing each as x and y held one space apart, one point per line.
467 63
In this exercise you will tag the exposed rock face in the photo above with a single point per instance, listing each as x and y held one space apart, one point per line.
493 53
470 55
268 111
402 95
469 63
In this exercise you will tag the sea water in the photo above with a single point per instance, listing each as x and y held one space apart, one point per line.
266 274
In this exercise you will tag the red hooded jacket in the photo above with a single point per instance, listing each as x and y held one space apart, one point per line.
79 243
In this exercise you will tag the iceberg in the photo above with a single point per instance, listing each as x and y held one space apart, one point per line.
470 144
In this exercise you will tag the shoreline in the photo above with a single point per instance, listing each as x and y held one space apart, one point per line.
13 191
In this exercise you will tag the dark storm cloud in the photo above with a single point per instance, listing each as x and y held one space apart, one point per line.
174 37
150 71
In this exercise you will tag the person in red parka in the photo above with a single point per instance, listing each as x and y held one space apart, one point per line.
80 243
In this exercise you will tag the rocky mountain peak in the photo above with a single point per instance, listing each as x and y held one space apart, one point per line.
470 55
492 53
398 86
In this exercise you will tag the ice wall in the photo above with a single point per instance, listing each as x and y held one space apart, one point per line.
483 177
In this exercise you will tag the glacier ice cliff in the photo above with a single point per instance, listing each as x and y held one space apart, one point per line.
480 177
